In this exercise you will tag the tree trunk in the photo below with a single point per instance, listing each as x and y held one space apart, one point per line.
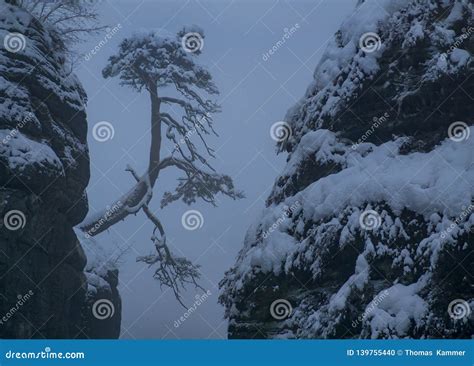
155 148
141 193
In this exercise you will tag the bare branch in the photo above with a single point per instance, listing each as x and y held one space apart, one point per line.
69 20
171 272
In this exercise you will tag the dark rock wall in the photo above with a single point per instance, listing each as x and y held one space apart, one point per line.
44 170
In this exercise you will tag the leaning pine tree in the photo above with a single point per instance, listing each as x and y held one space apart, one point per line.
152 63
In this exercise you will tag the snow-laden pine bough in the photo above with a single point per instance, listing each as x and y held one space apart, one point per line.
150 62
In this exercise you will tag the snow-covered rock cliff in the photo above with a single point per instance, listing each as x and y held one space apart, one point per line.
44 170
368 231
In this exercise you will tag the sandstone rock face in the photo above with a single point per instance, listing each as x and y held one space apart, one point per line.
44 170
368 232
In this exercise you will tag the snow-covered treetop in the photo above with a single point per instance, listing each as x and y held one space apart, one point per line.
152 61
149 58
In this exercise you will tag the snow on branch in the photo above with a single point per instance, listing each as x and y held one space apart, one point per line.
198 184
